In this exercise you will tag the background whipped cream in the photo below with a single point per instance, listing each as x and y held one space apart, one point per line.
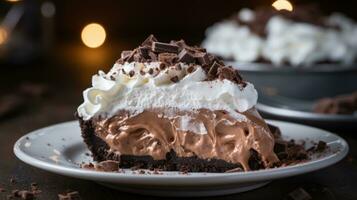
139 86
297 43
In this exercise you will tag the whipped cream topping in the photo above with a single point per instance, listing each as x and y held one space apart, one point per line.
138 86
286 41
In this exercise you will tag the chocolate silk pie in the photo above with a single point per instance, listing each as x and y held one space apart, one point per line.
173 107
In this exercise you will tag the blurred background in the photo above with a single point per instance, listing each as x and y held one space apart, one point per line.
50 49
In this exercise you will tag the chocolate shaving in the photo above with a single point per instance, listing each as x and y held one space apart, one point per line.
125 54
161 47
170 54
202 58
185 56
212 72
149 40
228 73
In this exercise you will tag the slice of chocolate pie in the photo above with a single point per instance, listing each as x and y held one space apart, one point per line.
175 107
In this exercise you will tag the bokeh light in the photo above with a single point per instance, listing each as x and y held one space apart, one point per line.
93 35
3 35
283 5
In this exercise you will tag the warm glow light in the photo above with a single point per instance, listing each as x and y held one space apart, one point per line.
93 35
3 35
283 5
13 0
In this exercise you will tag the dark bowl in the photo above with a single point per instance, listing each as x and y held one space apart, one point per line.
321 80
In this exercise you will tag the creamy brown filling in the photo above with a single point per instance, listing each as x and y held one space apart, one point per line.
202 133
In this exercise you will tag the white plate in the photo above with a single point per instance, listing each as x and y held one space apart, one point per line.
59 149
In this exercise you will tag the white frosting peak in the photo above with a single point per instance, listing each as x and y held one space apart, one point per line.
137 91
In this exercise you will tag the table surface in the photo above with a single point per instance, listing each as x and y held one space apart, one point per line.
335 182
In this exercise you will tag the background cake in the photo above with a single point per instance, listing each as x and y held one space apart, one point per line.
175 107
302 37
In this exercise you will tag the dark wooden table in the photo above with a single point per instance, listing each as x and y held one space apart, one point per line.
335 182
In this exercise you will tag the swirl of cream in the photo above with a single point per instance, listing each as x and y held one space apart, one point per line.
139 91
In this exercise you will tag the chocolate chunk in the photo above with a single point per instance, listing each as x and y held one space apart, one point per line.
125 54
138 58
151 71
213 69
202 58
2 190
162 66
149 40
181 44
161 47
131 73
130 58
321 146
190 69
299 194
168 58
174 79
144 52
185 56
152 56
226 73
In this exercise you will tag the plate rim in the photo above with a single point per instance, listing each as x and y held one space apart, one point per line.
298 114
192 178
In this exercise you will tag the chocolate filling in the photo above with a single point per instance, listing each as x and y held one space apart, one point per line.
158 141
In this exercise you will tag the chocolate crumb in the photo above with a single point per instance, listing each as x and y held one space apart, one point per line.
190 69
15 193
162 66
174 79
2 190
321 146
299 194
26 195
12 180
69 196
107 166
